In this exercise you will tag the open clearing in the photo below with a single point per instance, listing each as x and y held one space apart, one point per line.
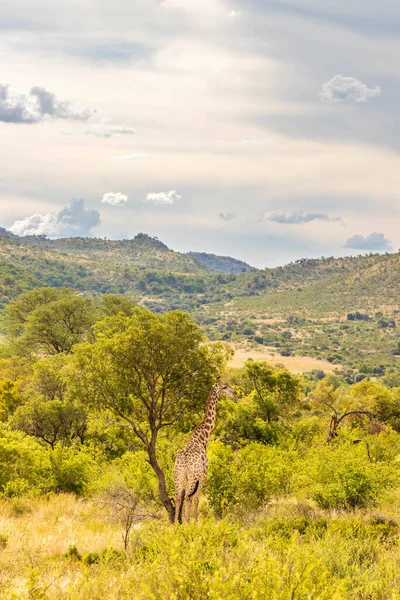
295 364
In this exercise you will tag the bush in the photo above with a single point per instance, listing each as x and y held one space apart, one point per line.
344 477
71 469
24 464
249 477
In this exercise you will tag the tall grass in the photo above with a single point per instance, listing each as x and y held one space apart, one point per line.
64 548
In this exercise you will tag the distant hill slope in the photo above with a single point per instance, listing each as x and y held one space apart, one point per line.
144 267
346 311
301 308
221 264
142 251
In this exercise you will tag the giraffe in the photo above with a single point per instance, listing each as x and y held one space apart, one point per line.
191 463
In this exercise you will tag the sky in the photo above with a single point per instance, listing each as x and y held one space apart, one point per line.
267 130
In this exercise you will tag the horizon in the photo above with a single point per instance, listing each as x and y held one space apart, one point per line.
154 237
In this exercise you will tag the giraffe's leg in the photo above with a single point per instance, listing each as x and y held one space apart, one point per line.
196 499
178 507
196 505
188 504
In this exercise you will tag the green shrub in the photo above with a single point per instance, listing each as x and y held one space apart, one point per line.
24 464
91 558
249 477
73 554
72 469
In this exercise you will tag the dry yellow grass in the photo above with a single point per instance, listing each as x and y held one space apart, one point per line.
295 364
39 532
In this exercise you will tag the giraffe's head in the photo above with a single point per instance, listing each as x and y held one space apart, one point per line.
226 390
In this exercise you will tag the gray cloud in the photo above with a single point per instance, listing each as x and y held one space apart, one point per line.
38 105
373 241
297 218
227 216
71 221
341 88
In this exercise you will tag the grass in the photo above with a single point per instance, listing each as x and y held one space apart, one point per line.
295 364
64 548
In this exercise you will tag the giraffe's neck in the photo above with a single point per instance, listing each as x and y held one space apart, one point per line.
211 411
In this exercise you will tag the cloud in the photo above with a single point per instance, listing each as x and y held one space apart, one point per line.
297 218
136 156
227 216
341 88
114 198
235 13
373 241
162 197
71 221
107 131
38 105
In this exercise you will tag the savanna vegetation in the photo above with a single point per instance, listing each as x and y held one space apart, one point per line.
98 393
344 311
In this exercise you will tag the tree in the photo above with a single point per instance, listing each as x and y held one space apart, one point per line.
10 398
51 421
342 404
49 321
148 371
276 389
112 304
18 311
49 414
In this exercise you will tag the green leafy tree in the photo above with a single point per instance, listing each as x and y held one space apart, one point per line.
10 398
49 321
112 304
51 421
17 312
344 404
148 371
275 390
49 414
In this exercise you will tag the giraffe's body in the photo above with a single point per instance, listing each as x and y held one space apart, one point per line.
191 463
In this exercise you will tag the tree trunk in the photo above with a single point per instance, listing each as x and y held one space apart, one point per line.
162 487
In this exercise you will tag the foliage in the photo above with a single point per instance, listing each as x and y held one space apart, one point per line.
49 321
147 370
24 464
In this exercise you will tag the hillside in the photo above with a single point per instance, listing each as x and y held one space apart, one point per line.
342 310
143 267
298 309
222 264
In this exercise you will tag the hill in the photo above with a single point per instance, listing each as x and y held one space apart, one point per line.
341 310
143 267
222 264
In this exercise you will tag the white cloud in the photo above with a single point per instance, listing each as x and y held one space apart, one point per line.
133 156
297 218
71 221
373 241
235 13
107 131
114 198
227 216
341 88
162 197
38 105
